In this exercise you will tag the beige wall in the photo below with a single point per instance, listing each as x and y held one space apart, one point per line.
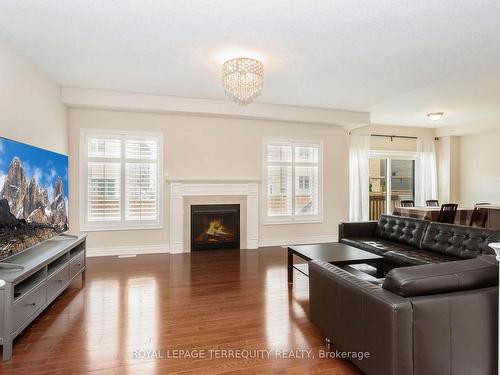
216 148
30 106
479 167
448 169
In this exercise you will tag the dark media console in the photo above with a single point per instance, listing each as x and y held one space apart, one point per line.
47 270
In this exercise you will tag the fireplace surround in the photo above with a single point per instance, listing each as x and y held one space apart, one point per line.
248 190
215 226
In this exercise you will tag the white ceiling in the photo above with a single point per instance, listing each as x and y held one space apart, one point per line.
399 59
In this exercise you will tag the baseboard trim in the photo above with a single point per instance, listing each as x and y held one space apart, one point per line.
297 240
164 248
127 250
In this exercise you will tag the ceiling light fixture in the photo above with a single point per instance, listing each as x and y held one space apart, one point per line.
243 79
435 116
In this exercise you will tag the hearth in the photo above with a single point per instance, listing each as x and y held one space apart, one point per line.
215 226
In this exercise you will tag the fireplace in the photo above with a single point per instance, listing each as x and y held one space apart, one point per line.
215 226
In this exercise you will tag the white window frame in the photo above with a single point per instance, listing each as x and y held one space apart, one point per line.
292 219
390 156
85 225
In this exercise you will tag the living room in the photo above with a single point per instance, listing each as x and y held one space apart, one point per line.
211 173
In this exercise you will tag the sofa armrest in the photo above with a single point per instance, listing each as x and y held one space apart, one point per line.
359 316
357 229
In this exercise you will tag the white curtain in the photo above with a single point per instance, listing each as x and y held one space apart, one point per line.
358 177
426 184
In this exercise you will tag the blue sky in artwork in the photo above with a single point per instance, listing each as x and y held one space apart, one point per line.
44 165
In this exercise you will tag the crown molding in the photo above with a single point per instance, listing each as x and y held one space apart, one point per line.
125 101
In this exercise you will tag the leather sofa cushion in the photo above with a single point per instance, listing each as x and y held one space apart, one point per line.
414 257
403 230
459 241
447 277
375 245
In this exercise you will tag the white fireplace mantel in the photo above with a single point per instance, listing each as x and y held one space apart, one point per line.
189 188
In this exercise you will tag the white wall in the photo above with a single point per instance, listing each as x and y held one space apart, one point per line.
216 148
479 167
30 107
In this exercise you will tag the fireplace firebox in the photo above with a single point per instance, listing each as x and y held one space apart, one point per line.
215 226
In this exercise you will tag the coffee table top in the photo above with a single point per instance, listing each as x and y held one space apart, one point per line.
333 252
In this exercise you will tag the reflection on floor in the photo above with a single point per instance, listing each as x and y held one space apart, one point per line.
216 308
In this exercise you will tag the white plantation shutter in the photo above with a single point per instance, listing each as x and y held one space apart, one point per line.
293 175
280 201
104 147
279 179
123 188
141 149
141 191
307 198
307 169
141 180
104 191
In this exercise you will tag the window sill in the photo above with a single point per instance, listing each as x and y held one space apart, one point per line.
118 229
288 222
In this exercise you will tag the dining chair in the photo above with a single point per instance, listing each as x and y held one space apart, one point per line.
479 217
407 203
432 203
448 213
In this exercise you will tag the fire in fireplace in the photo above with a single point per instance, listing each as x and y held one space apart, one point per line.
215 226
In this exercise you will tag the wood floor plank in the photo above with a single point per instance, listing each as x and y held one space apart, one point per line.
211 302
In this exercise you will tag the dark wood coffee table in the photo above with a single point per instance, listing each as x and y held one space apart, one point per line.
333 252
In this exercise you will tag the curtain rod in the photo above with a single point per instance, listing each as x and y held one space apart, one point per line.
397 136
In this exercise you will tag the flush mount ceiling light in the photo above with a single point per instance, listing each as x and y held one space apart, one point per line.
435 116
243 78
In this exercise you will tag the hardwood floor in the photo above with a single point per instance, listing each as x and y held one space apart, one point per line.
202 302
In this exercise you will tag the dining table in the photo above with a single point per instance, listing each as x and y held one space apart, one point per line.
462 217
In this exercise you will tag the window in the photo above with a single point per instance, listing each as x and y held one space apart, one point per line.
293 180
121 180
392 179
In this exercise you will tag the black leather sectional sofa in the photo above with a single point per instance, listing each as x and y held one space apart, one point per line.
436 312
406 241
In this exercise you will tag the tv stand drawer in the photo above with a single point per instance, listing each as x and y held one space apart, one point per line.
76 264
26 306
57 281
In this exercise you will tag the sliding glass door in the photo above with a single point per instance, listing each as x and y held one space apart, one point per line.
392 179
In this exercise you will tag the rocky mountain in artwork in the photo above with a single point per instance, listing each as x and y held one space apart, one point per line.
14 188
29 201
17 234
58 206
6 217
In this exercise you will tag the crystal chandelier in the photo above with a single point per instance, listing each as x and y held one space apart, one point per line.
243 79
